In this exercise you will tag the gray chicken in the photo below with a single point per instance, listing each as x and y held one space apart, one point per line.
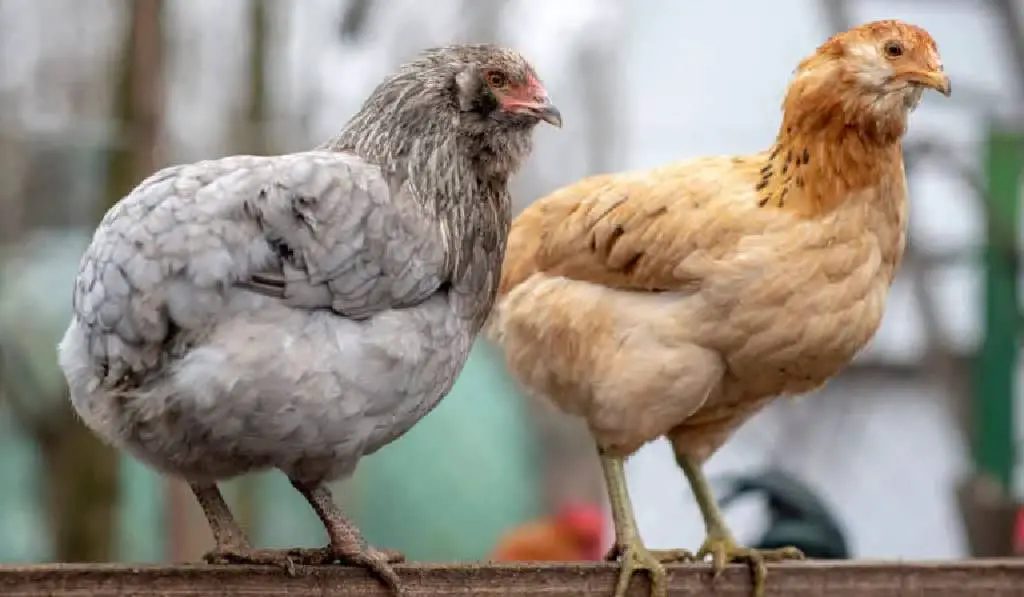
301 311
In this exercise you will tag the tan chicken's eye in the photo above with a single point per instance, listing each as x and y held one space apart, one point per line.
893 49
496 79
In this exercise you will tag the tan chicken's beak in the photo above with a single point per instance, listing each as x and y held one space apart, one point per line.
934 79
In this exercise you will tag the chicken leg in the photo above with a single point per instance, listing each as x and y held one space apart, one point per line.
719 542
232 545
629 548
346 543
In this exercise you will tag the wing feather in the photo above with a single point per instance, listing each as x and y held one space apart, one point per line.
657 230
314 229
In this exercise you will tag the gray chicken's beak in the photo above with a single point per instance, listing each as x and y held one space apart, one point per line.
549 113
541 108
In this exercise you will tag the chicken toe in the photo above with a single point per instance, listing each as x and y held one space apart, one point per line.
723 549
719 543
318 556
636 558
243 554
346 542
665 556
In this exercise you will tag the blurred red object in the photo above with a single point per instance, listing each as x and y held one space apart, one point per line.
576 532
1018 533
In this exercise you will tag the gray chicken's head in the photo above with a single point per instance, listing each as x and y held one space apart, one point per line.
465 99
495 86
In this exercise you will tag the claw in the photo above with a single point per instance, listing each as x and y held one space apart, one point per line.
229 554
634 557
724 550
377 560
665 556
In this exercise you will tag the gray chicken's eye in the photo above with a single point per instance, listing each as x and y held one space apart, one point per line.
893 49
496 79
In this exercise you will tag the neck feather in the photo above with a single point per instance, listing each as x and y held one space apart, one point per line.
830 145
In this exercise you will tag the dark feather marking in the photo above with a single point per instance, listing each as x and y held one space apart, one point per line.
265 284
630 266
616 234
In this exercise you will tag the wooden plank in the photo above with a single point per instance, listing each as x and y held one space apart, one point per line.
974 578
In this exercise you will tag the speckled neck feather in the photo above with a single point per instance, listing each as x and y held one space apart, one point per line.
456 159
412 119
831 143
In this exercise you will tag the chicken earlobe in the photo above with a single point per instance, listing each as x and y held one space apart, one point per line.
629 548
719 542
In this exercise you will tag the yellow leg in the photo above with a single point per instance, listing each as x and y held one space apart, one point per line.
629 548
719 543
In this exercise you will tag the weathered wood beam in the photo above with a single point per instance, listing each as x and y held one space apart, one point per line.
997 578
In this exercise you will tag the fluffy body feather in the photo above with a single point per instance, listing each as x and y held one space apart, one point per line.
301 311
208 380
681 300
670 302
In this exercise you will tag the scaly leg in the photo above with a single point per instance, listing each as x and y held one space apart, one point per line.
629 547
719 543
232 546
346 542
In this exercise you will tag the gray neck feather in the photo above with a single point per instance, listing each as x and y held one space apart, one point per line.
457 163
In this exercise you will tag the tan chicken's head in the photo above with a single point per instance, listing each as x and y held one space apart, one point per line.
872 75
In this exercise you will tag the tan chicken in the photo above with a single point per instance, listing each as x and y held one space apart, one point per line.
680 301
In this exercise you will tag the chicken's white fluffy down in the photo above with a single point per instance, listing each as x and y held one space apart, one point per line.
222 380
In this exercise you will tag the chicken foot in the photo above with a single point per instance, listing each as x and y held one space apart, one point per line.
346 542
629 549
233 547
232 544
719 542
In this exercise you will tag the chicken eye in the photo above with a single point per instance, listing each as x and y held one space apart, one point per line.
496 79
893 49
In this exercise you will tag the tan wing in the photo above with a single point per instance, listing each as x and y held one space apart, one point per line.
653 230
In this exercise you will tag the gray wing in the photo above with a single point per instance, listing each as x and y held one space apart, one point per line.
318 229
347 238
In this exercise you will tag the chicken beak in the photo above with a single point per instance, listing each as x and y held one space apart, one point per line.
549 114
544 110
935 79
540 107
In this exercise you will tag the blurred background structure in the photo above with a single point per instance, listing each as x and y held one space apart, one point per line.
915 450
